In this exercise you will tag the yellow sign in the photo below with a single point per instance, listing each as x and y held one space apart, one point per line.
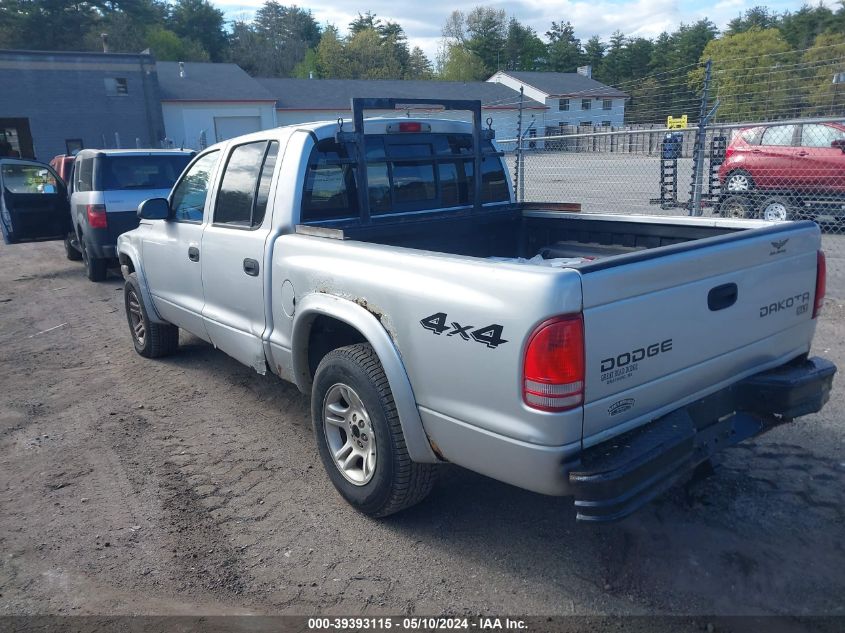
676 123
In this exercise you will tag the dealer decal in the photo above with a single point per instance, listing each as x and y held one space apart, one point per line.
624 365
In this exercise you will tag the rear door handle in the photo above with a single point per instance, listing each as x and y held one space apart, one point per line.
722 297
194 254
803 153
251 267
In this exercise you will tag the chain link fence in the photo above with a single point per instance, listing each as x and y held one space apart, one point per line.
762 140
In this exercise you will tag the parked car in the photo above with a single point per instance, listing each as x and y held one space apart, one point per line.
108 186
63 166
623 353
34 202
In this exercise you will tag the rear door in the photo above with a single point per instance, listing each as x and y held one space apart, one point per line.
773 163
667 329
233 270
821 166
34 202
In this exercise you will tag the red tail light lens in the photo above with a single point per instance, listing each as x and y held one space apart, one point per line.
821 284
553 373
729 151
97 216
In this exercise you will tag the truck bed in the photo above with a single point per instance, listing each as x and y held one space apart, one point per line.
524 231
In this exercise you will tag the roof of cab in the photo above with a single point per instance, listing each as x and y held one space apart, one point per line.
133 152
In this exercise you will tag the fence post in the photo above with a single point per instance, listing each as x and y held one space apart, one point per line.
517 181
698 146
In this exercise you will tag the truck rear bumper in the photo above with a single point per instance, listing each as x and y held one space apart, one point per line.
611 480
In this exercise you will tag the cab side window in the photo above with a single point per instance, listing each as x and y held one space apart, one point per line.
245 188
188 199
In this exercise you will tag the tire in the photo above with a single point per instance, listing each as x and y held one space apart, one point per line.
738 181
151 340
96 268
776 209
739 207
71 251
351 389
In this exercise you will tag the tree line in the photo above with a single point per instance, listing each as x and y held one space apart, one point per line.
662 74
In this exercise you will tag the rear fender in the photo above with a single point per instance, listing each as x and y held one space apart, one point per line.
366 323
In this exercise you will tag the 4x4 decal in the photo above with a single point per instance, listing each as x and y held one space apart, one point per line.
490 335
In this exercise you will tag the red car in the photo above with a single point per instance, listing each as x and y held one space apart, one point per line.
794 158
62 164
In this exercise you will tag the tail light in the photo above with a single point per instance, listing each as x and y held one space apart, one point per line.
553 373
97 216
729 151
821 284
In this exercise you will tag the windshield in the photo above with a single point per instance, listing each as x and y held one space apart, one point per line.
140 172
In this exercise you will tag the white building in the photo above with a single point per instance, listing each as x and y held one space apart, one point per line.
203 103
303 100
571 99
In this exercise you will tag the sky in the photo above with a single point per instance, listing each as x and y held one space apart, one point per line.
423 21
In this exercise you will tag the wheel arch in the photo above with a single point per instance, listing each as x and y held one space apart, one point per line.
363 326
130 262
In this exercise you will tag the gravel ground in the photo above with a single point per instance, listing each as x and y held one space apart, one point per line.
192 484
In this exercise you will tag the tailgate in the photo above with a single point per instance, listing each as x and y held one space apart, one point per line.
667 326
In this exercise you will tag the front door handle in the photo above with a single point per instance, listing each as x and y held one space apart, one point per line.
803 153
194 254
251 267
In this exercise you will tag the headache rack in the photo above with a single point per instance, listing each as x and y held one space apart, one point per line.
355 140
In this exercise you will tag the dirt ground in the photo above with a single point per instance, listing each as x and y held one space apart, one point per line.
192 485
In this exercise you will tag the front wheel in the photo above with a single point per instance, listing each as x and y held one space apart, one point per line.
151 340
739 181
359 436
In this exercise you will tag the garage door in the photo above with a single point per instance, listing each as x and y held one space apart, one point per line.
226 127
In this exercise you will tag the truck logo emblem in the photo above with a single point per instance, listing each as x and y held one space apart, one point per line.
778 246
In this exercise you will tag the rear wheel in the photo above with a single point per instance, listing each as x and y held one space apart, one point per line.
71 250
739 180
736 207
151 340
96 268
359 436
776 209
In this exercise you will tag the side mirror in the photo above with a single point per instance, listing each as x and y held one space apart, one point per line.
154 209
838 144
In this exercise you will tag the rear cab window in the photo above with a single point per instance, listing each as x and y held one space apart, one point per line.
404 175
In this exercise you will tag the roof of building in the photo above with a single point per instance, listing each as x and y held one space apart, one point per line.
565 84
206 81
335 94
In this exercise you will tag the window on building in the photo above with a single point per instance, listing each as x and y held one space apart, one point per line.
607 104
586 104
563 105
605 124
116 86
245 188
586 124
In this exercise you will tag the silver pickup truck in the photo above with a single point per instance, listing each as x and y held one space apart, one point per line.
432 319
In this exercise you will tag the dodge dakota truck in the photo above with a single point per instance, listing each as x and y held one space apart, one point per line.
383 266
